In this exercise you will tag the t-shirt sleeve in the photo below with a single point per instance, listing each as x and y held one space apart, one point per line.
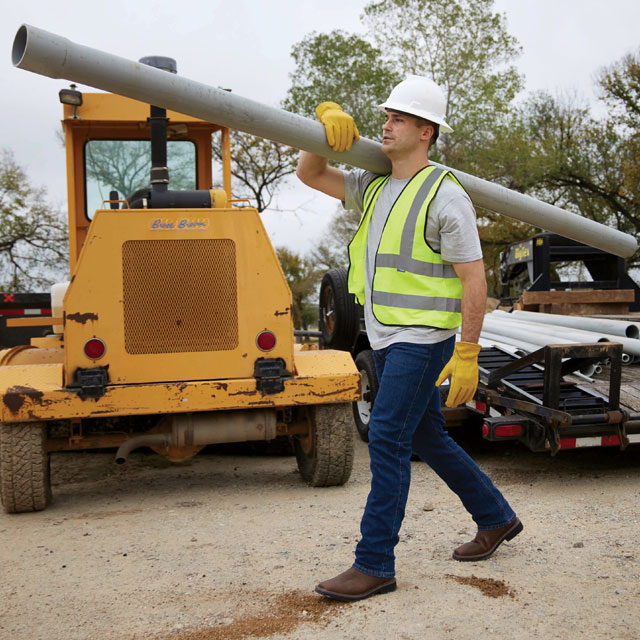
453 219
355 184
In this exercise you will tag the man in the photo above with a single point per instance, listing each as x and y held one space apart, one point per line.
416 266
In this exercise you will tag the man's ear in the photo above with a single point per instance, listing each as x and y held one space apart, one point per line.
427 133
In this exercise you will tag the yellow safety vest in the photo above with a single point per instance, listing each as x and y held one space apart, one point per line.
412 284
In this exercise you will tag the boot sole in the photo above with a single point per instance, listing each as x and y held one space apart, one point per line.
509 535
385 587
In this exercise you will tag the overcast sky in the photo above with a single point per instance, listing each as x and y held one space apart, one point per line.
245 45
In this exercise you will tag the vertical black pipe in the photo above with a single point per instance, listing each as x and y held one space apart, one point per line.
159 170
158 125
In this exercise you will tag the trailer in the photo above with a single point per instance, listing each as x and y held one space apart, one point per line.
530 398
22 305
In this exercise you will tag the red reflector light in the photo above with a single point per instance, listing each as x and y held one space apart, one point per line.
485 429
266 341
481 406
94 348
505 430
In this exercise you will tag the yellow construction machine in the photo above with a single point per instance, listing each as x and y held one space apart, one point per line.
176 323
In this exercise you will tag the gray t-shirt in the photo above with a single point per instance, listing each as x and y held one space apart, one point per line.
451 231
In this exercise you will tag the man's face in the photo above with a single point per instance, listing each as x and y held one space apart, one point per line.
401 135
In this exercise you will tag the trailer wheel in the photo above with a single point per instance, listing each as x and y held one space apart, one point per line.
24 467
339 312
325 456
362 408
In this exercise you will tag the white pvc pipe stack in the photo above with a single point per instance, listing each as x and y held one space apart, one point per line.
613 327
522 332
630 346
521 348
500 340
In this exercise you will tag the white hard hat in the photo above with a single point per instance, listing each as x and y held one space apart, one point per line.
419 96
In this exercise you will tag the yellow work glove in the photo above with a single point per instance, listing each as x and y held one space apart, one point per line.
463 369
340 127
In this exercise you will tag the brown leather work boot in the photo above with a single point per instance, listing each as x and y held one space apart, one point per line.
486 542
354 585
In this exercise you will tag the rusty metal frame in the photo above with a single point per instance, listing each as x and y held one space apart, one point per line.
557 420
551 356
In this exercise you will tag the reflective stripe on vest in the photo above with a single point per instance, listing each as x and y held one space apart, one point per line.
412 284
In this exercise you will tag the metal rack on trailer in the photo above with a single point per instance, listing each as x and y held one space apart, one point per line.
529 399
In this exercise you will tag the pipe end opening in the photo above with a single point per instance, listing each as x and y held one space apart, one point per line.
19 46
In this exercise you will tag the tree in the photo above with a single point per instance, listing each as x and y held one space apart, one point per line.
33 235
582 164
302 278
555 150
343 68
258 165
125 165
620 87
465 47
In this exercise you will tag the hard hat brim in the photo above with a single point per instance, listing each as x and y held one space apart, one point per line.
419 113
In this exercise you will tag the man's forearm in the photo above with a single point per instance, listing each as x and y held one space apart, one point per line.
310 165
474 299
315 172
473 308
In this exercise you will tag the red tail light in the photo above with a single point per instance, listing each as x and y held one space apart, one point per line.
94 348
266 340
506 430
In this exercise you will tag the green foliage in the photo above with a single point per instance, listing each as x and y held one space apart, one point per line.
465 47
342 68
33 236
620 85
579 163
258 166
303 278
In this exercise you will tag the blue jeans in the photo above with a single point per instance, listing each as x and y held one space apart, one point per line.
407 417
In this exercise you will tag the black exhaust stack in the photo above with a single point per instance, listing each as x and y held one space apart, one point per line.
160 196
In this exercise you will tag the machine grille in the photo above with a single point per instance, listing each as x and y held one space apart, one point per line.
179 296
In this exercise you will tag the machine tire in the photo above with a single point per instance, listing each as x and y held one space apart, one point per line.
24 467
339 319
362 408
325 457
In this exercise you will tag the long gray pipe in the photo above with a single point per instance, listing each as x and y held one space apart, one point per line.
57 57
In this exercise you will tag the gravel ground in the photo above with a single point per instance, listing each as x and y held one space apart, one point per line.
230 546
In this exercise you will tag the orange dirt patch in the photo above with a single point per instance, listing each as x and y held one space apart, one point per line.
287 612
489 587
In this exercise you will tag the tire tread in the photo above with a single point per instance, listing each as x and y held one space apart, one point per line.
24 467
331 460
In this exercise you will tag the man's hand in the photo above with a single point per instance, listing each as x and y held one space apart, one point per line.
340 127
463 370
